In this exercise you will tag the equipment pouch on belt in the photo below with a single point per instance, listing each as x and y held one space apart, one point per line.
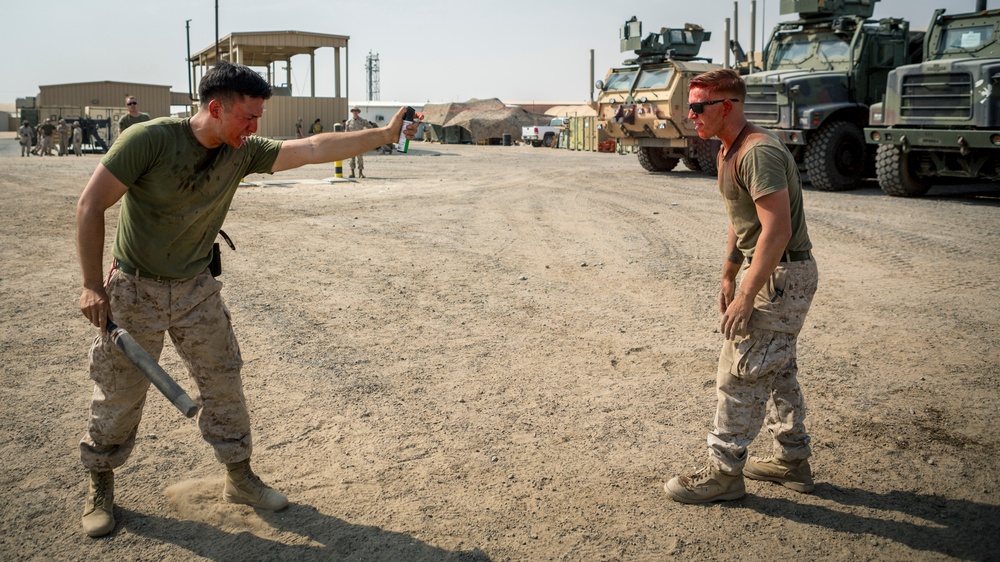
215 267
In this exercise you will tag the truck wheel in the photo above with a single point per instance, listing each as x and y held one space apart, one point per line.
655 159
706 152
536 143
547 141
835 157
691 162
895 171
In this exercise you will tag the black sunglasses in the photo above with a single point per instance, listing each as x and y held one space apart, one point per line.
137 103
699 107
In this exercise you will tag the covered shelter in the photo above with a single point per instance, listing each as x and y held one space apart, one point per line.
268 49
478 121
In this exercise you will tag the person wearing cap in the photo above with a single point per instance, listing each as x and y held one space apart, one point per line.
64 131
316 128
133 116
24 136
77 139
45 134
356 123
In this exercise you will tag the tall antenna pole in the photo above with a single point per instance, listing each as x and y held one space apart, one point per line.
372 71
216 30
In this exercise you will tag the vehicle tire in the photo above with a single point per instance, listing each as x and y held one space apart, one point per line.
835 157
691 162
706 151
547 141
536 143
655 159
895 171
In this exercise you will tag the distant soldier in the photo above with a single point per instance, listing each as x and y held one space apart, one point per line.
298 128
77 139
133 116
45 132
356 123
317 127
24 135
64 131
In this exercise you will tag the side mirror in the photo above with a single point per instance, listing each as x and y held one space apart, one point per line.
599 85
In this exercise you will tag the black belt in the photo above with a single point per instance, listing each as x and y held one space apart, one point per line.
126 268
792 256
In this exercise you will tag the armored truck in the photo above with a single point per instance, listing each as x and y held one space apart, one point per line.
820 75
941 119
644 103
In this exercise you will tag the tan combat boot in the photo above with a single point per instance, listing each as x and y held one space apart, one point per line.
707 485
99 511
243 486
361 173
794 475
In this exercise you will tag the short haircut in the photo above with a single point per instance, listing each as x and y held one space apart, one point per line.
226 81
723 81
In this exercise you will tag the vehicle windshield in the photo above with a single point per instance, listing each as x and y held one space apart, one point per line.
654 78
620 81
966 38
795 53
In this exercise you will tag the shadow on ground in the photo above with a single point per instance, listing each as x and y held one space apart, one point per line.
957 528
328 538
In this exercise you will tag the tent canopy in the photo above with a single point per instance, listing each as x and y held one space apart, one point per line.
483 119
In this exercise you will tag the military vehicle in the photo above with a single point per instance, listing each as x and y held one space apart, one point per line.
644 103
941 118
820 75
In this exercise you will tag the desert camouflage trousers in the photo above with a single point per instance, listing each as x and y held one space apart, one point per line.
757 382
358 161
193 313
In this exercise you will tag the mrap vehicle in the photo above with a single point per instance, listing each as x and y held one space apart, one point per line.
644 104
821 73
941 118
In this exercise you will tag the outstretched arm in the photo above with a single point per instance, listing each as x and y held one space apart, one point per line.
328 147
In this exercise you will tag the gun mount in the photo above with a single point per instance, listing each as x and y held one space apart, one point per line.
828 9
669 44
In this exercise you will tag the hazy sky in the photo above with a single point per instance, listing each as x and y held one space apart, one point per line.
429 50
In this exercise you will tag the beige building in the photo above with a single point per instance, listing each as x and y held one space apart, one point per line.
265 51
273 51
103 100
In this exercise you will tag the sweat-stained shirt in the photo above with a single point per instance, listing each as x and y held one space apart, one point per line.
179 193
758 164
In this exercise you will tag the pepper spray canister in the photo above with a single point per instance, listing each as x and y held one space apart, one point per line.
404 143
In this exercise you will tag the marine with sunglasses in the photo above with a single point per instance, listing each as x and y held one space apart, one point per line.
769 278
133 116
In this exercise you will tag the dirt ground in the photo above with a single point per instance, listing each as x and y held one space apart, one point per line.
502 353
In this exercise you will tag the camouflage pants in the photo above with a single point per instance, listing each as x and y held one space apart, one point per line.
193 313
756 382
358 161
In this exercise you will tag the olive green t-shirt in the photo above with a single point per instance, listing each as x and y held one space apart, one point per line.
127 121
758 164
178 195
